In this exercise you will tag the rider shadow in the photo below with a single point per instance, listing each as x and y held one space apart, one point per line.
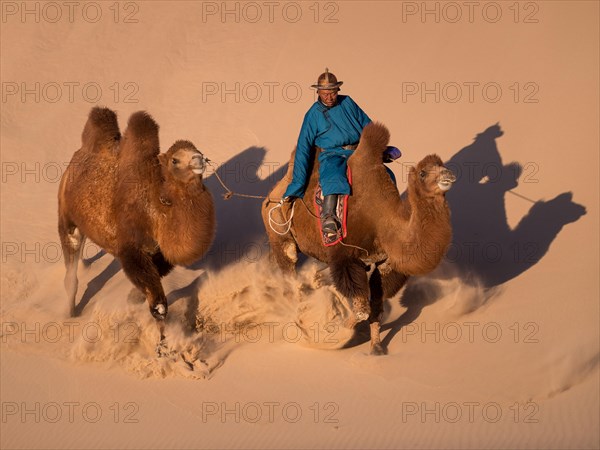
240 234
485 251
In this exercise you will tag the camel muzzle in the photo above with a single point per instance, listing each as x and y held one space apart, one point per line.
446 180
198 164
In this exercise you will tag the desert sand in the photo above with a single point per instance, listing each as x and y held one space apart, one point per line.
498 348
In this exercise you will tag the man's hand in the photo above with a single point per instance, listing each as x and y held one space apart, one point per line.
391 153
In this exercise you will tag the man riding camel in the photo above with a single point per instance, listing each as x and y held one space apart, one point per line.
334 123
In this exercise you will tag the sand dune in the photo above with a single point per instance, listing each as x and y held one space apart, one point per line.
497 348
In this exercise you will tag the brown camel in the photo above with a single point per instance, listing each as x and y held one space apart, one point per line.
149 210
393 236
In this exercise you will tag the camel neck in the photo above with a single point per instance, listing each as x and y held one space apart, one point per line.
418 241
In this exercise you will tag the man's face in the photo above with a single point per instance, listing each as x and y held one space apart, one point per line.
328 96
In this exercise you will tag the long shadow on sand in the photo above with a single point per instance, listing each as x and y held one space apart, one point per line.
97 283
187 294
484 247
485 251
240 231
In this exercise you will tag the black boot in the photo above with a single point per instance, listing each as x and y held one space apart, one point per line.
330 224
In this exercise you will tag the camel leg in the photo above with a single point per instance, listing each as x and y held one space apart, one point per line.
376 290
144 274
360 306
142 271
350 279
384 283
162 265
376 347
391 280
285 255
72 242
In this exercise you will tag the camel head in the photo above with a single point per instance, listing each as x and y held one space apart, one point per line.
430 177
183 163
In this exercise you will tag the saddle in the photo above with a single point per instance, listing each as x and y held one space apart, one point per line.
341 211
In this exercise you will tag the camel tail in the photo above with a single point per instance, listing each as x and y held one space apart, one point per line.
100 129
349 277
141 136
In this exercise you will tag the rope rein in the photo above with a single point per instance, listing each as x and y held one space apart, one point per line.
354 246
287 223
229 192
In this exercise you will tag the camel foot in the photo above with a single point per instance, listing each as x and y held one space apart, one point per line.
352 321
192 362
185 362
161 347
163 350
197 369
159 312
378 349
361 309
361 316
190 365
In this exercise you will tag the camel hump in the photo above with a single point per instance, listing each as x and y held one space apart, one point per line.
100 129
141 135
373 141
376 136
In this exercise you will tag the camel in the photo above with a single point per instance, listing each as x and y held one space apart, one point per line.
392 237
150 210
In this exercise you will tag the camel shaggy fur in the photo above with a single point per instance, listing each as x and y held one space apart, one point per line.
390 236
150 210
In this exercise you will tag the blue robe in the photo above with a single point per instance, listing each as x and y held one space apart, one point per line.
331 129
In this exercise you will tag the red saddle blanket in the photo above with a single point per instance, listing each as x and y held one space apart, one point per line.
341 212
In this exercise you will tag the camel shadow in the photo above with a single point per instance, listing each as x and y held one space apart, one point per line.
419 296
485 251
240 232
187 294
87 262
97 283
484 248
